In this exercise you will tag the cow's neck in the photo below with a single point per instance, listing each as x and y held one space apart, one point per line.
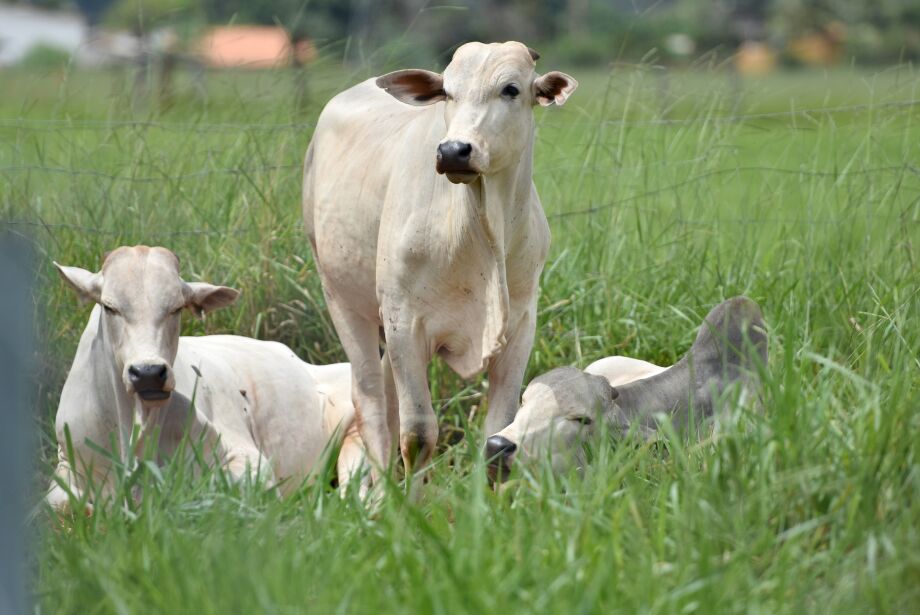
500 199
498 205
96 358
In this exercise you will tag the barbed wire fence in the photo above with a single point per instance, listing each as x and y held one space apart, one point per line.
626 202
72 124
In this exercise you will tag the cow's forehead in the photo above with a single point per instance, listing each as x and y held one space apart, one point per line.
567 387
483 62
128 269
127 257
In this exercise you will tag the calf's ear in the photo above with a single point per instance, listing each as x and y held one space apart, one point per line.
414 87
87 284
553 87
204 298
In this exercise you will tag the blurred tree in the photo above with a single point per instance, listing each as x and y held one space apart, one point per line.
142 16
93 10
580 31
881 30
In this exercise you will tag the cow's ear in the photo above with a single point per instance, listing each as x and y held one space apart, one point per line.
553 87
204 298
414 87
87 284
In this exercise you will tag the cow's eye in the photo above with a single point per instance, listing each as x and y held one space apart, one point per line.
583 420
109 309
510 90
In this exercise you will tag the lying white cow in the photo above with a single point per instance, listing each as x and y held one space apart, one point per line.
562 409
258 408
426 227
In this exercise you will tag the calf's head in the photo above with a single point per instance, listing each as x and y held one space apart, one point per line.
141 295
562 410
489 93
559 415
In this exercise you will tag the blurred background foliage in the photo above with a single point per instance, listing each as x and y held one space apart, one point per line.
581 32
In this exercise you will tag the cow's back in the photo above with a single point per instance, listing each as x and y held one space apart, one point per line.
365 146
256 391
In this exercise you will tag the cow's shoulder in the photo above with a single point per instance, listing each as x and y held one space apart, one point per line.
365 103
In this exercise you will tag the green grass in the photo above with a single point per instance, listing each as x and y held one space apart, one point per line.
660 208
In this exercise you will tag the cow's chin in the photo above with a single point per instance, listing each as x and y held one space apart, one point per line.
153 399
462 177
498 472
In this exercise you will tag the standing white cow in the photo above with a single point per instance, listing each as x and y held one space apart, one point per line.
258 408
439 265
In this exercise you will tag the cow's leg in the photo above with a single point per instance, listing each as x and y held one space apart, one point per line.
58 496
506 375
407 348
361 340
392 398
351 462
246 464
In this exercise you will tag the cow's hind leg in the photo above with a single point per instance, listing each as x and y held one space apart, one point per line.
360 339
350 464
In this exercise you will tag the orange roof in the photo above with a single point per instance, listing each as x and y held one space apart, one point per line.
246 46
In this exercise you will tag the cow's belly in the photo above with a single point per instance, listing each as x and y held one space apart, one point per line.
260 395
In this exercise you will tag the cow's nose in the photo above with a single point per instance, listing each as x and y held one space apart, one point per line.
454 156
499 448
148 380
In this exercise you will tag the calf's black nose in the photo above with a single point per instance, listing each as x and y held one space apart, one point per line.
499 448
148 377
454 156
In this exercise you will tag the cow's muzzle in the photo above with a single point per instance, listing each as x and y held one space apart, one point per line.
499 453
454 161
149 381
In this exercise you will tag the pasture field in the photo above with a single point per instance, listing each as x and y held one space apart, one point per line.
666 193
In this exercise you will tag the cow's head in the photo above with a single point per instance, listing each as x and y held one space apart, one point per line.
560 413
489 91
563 410
141 296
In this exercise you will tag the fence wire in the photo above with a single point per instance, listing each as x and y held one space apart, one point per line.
627 202
110 125
244 171
150 179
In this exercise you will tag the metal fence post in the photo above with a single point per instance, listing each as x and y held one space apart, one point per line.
16 438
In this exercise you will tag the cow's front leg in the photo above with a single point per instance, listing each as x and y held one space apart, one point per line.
64 486
407 349
506 375
361 340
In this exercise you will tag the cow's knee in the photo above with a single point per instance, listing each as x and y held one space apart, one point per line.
61 499
250 468
417 441
58 499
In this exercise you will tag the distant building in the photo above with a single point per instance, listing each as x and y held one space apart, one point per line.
23 28
246 47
